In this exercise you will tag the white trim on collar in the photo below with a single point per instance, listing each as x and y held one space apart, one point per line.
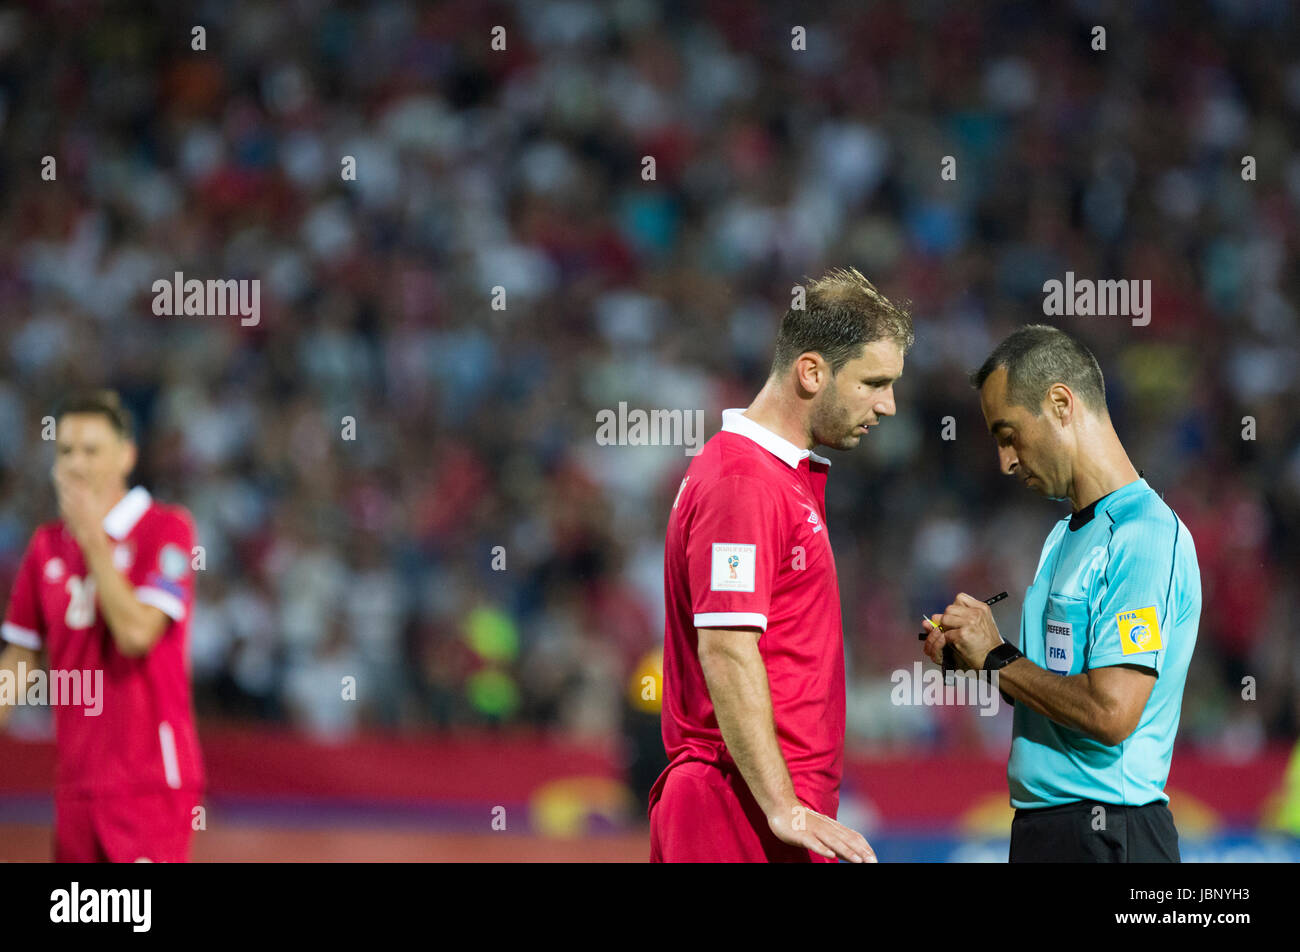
122 518
735 421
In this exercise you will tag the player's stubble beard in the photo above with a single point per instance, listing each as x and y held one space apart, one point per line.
832 423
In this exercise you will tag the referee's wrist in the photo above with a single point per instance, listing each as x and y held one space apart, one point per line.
1001 656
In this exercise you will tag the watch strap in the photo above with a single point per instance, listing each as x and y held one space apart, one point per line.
1000 657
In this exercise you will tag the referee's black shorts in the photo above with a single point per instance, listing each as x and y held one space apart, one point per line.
1093 832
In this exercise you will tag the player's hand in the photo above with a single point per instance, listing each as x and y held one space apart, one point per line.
801 826
969 627
80 510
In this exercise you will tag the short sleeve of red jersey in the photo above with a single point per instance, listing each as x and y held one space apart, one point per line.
23 625
164 558
733 552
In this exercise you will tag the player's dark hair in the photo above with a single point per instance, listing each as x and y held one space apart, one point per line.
1038 356
842 313
105 403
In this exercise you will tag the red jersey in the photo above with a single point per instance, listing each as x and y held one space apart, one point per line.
142 740
747 546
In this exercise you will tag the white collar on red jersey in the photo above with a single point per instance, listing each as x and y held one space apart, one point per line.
121 519
735 421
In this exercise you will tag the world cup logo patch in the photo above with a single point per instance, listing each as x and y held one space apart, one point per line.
1139 630
733 567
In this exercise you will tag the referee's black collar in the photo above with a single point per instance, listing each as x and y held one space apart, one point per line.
1085 515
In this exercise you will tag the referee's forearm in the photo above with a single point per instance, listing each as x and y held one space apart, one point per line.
1068 701
742 703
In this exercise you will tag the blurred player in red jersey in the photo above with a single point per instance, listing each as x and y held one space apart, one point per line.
107 591
753 700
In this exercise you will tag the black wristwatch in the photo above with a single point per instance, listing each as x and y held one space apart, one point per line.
1000 657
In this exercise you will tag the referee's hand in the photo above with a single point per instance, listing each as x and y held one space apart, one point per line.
801 826
967 624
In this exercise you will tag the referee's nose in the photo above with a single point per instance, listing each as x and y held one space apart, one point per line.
1007 457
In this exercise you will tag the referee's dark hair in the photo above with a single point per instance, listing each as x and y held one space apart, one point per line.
105 403
1038 356
842 313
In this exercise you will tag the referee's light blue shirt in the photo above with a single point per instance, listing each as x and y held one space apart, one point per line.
1122 588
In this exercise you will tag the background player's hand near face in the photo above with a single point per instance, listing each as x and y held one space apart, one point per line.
82 511
969 627
801 826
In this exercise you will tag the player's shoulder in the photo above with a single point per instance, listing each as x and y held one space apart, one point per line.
47 534
728 460
168 517
48 542
720 480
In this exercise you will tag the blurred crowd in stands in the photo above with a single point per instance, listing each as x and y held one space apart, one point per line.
395 480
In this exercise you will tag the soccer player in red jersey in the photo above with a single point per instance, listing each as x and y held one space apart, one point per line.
753 700
106 594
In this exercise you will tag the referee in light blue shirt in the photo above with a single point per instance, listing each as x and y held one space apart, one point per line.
1109 623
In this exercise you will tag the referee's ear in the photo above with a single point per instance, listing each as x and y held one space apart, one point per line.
1060 403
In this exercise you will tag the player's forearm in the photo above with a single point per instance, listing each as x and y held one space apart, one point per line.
1069 701
742 703
10 657
131 623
